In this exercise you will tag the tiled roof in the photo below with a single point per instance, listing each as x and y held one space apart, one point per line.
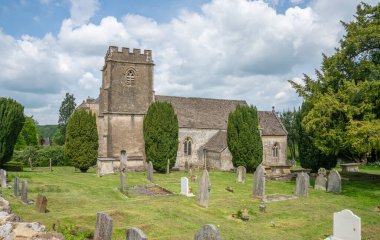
218 142
270 124
201 113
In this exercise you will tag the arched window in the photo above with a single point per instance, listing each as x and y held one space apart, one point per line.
130 78
187 147
275 150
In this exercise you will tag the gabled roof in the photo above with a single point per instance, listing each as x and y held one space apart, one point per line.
218 142
201 113
270 124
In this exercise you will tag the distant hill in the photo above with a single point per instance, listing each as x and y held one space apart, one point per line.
47 130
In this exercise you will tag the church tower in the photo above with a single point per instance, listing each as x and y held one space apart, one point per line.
125 95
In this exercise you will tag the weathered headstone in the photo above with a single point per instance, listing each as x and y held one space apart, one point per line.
3 178
103 227
204 188
168 167
16 187
207 232
24 191
259 181
190 171
334 182
123 170
150 172
30 163
302 184
135 234
41 203
186 167
321 180
347 226
241 172
185 187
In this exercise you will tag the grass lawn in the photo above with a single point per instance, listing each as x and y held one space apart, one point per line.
74 198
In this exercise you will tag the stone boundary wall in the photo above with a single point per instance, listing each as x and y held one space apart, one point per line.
11 226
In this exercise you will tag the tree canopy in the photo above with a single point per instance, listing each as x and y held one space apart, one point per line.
65 111
343 117
81 146
161 135
243 137
11 122
29 134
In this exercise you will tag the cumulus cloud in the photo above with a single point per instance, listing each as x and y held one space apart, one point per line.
234 49
81 11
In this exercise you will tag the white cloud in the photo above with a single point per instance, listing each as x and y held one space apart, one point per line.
82 11
232 49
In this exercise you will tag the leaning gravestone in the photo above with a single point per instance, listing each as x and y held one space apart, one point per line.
204 187
24 191
321 180
135 234
302 184
150 172
207 232
3 178
259 181
103 227
41 203
241 172
123 169
185 187
347 226
16 187
334 182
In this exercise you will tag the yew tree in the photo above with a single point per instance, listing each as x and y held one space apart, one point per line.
161 135
343 119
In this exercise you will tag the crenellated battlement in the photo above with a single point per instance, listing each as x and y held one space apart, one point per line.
136 56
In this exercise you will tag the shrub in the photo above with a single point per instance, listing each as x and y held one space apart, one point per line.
13 166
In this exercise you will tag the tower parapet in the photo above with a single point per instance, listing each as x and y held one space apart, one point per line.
136 56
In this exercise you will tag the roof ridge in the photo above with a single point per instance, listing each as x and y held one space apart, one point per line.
203 98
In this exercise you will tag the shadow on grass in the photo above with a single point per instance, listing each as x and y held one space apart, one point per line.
361 185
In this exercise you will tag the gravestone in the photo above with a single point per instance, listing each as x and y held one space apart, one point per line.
135 234
168 167
204 188
259 181
185 187
321 180
190 171
241 172
41 203
16 187
3 178
334 182
302 184
347 226
186 167
150 172
123 170
24 191
207 232
103 227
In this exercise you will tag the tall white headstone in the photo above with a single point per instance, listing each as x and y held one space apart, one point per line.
347 226
185 187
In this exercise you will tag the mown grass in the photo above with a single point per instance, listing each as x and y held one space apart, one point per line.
74 198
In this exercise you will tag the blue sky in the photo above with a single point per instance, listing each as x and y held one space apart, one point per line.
234 49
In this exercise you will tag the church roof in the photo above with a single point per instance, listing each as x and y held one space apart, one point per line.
201 113
270 124
218 142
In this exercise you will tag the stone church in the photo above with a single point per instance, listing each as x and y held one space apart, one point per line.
124 98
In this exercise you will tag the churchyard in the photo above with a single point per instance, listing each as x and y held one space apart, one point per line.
75 198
